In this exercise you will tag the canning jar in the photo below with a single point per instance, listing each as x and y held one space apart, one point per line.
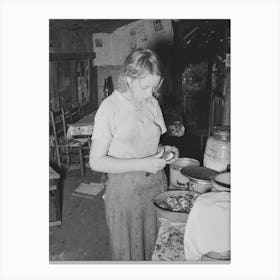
217 151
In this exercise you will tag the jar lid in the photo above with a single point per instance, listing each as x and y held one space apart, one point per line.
199 173
221 132
222 128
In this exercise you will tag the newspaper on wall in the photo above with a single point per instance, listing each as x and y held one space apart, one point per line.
102 44
112 49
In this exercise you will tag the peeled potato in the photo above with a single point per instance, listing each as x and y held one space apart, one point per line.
168 155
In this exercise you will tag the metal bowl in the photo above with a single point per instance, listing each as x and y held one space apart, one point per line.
169 214
221 182
216 256
200 178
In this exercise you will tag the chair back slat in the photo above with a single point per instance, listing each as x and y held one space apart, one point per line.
56 122
59 129
66 119
67 116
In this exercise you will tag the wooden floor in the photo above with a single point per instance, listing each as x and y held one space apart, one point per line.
83 235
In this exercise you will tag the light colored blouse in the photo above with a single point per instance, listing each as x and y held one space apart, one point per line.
134 132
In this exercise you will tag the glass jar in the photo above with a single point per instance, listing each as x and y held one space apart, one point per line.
217 151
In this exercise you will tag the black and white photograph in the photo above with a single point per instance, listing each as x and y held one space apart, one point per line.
139 139
139 157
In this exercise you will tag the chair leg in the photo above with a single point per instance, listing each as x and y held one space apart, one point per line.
81 162
58 203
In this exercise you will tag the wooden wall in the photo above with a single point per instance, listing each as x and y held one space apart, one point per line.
63 72
62 41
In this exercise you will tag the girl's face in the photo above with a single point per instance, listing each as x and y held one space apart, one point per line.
142 88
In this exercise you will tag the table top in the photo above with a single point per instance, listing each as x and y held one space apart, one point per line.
53 175
83 127
84 121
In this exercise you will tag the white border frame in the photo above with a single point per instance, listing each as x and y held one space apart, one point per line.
255 137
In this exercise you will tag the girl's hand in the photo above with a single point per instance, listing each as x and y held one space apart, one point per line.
174 150
155 163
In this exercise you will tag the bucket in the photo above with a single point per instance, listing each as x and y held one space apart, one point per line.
177 180
200 178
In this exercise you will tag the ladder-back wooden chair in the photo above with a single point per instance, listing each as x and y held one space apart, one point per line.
68 152
72 115
75 116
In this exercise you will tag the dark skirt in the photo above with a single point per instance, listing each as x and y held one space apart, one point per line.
131 215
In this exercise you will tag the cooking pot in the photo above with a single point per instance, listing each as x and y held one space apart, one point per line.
177 180
200 178
221 182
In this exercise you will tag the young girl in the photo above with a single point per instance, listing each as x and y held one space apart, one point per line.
127 130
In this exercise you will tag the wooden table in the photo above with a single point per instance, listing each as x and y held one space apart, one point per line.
83 127
54 186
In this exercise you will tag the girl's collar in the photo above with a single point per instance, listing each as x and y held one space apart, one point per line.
130 98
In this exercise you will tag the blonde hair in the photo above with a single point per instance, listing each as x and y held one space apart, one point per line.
139 63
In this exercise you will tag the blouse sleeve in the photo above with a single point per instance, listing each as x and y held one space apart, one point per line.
159 118
103 122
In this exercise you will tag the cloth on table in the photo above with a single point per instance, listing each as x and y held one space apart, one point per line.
208 226
85 130
170 241
83 127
